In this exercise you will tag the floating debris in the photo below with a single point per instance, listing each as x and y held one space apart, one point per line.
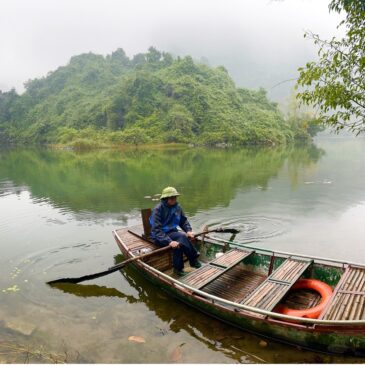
263 343
137 339
176 354
324 182
15 273
22 327
13 288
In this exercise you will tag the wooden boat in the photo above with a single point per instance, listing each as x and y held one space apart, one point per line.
246 286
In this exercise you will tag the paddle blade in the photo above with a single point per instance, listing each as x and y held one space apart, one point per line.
84 278
227 230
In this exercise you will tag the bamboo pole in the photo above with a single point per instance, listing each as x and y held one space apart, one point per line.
284 270
356 297
342 297
357 304
351 303
289 270
275 299
333 307
271 294
348 296
257 297
360 309
294 273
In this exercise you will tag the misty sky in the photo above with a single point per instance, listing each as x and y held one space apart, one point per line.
260 42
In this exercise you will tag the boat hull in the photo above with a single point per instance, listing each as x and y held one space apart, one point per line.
328 340
344 340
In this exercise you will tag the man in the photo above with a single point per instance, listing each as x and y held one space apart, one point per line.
165 218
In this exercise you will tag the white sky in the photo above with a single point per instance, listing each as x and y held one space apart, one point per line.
260 42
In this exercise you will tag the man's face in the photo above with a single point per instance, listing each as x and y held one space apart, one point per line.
171 201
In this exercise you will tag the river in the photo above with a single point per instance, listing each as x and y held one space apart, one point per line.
58 209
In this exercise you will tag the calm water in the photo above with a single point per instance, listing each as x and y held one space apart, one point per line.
58 208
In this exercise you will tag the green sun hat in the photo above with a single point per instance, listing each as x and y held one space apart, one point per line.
169 192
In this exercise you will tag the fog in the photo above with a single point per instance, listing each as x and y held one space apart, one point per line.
259 42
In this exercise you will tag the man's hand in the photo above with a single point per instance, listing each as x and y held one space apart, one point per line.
174 244
190 235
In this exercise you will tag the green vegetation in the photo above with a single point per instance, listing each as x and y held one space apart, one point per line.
151 98
106 180
335 84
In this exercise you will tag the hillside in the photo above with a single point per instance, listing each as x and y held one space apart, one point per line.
151 98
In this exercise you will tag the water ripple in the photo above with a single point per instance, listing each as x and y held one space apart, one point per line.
253 228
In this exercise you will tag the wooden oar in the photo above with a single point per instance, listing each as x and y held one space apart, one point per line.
110 270
218 230
126 262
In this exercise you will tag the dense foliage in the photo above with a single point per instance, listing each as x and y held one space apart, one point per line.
335 84
151 98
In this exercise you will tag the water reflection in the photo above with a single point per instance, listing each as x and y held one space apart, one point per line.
114 181
174 314
87 291
58 208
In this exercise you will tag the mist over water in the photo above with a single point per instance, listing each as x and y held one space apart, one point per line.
259 42
58 209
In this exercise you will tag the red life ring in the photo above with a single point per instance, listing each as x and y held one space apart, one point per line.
319 286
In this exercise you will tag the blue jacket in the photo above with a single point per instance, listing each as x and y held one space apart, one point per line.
165 219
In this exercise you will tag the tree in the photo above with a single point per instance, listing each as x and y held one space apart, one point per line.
153 98
153 55
7 100
335 84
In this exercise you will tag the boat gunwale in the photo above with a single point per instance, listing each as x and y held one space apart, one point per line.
317 259
287 320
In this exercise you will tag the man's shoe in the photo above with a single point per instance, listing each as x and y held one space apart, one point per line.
180 273
196 264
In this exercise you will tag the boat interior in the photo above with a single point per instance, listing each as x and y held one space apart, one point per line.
263 279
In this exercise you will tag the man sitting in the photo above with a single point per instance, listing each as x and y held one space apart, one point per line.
164 220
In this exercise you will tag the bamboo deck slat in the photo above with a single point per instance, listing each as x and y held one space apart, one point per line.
274 288
214 269
235 284
202 276
348 300
135 244
301 299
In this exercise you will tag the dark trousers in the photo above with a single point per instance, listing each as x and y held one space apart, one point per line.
185 247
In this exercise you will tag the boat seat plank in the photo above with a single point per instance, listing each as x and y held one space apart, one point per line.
202 276
214 269
348 299
135 244
276 286
230 258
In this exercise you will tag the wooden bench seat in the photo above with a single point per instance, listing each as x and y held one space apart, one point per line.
214 269
348 298
273 289
135 244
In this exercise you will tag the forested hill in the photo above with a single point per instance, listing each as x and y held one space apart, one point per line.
151 98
